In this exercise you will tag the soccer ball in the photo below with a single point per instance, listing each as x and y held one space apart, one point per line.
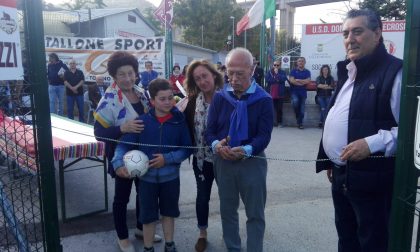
136 162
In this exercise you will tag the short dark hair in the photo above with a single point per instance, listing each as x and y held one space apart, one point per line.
157 85
54 56
148 62
373 19
119 59
176 66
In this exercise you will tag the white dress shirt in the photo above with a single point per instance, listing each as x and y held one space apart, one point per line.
335 133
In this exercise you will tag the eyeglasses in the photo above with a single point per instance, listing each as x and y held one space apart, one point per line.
276 65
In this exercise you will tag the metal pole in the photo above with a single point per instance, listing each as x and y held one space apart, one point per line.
245 34
406 175
202 35
233 31
38 78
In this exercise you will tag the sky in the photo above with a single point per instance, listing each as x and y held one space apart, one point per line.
303 15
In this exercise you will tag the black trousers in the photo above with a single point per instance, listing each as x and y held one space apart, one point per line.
119 207
361 218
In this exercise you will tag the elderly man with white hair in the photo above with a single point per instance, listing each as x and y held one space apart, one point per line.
239 128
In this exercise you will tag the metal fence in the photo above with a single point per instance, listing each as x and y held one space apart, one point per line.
28 205
21 216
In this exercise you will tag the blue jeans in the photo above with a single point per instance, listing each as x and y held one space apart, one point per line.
80 106
298 103
204 179
56 94
323 102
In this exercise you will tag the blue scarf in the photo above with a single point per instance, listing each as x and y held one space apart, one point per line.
238 129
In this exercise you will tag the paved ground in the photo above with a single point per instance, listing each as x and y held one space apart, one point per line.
299 211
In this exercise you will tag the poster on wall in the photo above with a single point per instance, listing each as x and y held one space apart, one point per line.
91 54
323 44
10 48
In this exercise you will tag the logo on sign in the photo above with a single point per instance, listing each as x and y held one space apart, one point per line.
390 47
320 48
7 24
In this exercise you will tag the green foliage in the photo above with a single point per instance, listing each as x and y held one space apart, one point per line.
83 4
285 42
387 9
210 18
150 17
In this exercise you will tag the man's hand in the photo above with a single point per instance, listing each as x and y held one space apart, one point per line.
227 153
157 162
132 126
122 172
355 151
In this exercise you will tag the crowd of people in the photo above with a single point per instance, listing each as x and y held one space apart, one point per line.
229 116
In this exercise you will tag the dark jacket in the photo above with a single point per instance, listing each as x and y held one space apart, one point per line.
260 121
326 81
52 73
172 132
369 111
280 78
258 75
189 113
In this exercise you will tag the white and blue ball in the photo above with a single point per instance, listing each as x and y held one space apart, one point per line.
136 162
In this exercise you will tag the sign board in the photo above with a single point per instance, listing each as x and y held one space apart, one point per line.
417 137
323 44
285 62
10 49
91 54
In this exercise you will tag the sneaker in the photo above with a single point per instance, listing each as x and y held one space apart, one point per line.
127 248
201 245
170 247
152 249
139 235
300 126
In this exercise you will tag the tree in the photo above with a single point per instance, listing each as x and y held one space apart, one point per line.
388 9
99 4
83 4
150 17
76 4
206 22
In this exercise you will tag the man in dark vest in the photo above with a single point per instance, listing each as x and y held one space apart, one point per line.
362 122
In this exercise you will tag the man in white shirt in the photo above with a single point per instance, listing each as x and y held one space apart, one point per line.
362 122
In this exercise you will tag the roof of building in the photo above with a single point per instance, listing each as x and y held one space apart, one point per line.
83 14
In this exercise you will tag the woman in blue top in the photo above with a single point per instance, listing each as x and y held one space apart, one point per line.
276 79
115 115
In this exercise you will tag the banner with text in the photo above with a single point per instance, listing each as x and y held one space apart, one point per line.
91 54
10 49
323 44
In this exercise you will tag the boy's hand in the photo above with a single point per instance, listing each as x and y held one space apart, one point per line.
157 162
122 172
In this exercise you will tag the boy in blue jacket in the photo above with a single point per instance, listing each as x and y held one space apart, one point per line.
160 186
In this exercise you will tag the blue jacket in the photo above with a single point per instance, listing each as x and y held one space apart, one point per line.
280 78
52 73
172 132
260 120
146 78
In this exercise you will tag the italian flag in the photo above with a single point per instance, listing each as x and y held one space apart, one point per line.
259 12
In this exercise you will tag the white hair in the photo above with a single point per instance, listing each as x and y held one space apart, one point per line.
249 59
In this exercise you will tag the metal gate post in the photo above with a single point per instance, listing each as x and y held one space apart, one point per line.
406 175
34 28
